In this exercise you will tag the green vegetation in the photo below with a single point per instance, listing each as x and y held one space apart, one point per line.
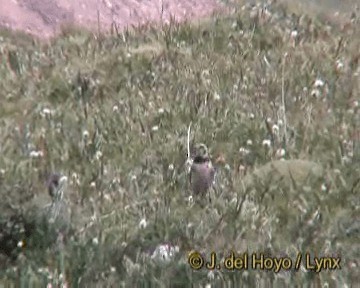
111 112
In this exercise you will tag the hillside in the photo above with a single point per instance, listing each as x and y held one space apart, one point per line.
111 113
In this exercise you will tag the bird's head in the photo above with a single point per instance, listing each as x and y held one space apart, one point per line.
201 153
56 185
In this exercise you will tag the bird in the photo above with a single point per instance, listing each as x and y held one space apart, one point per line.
58 211
56 184
202 171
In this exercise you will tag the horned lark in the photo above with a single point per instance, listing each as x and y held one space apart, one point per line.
58 210
202 172
56 185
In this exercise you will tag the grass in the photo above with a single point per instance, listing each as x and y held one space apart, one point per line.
111 112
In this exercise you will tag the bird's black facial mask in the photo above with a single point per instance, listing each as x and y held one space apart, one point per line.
201 154
200 159
55 182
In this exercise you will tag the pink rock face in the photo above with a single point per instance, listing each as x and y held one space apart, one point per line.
43 18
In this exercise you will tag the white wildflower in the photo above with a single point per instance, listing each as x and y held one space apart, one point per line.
161 110
252 116
280 153
339 65
86 134
294 34
36 154
319 83
190 199
142 223
46 112
43 270
171 167
315 93
95 241
20 244
249 142
116 180
211 275
266 143
98 155
275 129
244 151
115 108
165 252
107 197
112 269
75 178
93 184
58 127
353 265
155 128
323 187
217 96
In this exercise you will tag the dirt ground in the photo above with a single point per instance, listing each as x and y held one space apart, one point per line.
43 18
